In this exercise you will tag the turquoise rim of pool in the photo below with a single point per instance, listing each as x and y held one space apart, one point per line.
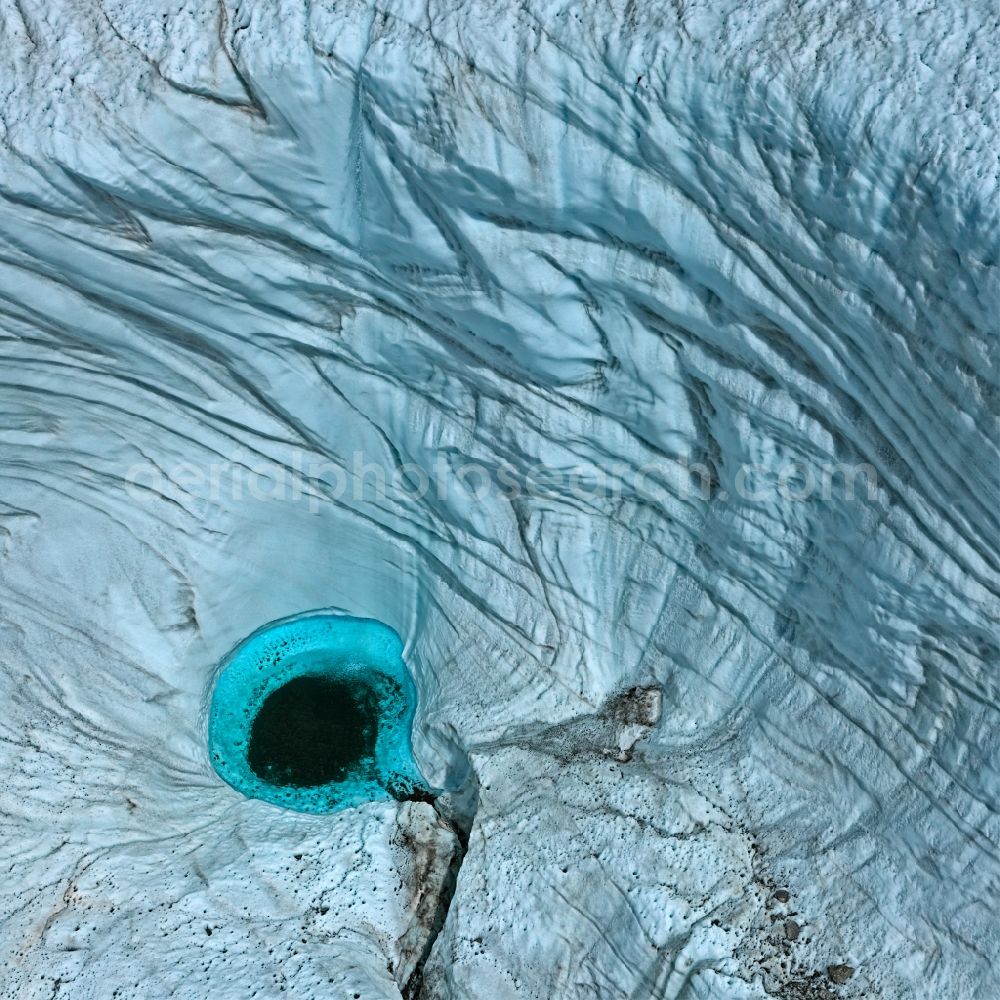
317 644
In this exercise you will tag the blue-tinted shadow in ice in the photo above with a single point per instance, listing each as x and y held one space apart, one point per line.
314 713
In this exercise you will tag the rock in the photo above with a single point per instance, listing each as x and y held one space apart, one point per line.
839 974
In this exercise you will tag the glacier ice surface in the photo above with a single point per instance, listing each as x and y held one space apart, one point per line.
245 243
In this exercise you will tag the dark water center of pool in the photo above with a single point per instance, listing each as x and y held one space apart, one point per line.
314 730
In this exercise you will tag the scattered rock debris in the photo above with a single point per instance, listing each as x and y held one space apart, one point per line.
635 712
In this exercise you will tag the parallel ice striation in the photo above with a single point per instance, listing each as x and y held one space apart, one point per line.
244 243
